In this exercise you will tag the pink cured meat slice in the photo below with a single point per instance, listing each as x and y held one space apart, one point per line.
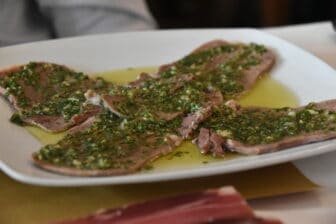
202 207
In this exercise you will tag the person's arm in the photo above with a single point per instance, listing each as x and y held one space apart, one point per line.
81 17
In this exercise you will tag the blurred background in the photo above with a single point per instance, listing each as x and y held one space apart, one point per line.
32 20
239 13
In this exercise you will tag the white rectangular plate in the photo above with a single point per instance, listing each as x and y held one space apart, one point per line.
307 76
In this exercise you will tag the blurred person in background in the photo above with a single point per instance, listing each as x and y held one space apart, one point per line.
32 20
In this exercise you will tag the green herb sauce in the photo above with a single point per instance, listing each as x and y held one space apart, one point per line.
190 156
255 126
176 92
111 141
108 143
49 89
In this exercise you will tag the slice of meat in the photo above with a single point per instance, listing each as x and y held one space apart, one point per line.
257 130
210 142
132 159
203 140
223 205
108 145
217 143
4 87
191 122
29 82
254 60
48 95
285 143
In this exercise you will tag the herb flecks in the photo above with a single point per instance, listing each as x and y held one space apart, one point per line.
262 126
150 111
48 89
